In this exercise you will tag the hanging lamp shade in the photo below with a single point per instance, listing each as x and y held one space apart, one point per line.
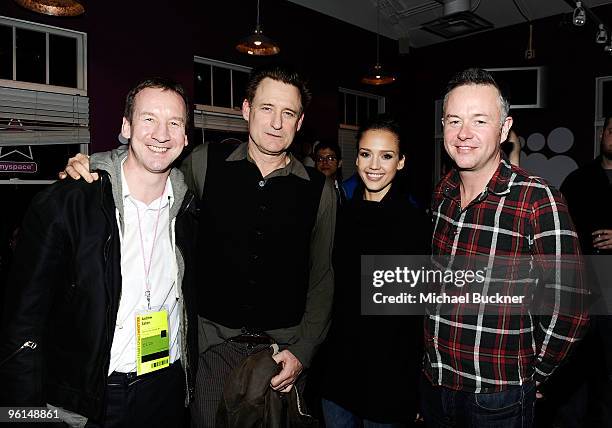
257 43
377 76
53 7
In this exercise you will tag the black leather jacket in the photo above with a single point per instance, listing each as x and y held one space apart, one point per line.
63 295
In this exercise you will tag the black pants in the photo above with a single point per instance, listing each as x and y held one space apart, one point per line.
603 397
155 400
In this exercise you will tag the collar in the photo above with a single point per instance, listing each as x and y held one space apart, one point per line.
294 166
498 185
500 182
125 190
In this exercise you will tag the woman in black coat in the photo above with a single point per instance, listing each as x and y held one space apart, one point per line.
371 364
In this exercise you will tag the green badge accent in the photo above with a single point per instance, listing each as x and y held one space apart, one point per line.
152 341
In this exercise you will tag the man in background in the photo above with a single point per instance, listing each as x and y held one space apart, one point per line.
328 160
588 191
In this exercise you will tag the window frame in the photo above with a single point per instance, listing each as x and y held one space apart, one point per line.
81 52
599 114
348 132
223 118
81 73
381 100
228 66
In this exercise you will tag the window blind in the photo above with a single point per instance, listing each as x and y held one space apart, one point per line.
30 117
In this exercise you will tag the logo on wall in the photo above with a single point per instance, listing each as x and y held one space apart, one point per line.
553 169
15 166
13 160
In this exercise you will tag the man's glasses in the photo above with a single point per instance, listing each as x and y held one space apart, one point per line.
328 158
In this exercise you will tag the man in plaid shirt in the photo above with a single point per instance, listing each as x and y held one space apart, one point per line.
481 370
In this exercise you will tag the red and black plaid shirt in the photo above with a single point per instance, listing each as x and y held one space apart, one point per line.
517 215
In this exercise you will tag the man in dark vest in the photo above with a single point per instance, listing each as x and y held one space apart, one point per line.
267 225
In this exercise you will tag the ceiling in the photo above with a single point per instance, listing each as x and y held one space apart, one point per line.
403 19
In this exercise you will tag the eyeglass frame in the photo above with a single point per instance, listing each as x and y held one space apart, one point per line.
328 158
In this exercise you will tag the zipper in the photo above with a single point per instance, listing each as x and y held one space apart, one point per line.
186 206
184 339
27 344
107 248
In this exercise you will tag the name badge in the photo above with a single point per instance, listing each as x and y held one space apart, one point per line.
152 341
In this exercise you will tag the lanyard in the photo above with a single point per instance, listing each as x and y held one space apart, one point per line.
147 266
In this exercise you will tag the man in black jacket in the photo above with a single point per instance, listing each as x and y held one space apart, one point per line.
588 191
99 297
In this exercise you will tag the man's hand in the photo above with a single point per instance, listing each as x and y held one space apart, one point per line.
292 367
78 167
602 239
539 395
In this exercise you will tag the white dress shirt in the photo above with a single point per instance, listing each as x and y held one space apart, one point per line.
162 274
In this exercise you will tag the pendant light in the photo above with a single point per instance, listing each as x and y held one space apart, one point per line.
579 15
376 75
257 43
53 7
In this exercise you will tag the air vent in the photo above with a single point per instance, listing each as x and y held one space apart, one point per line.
457 24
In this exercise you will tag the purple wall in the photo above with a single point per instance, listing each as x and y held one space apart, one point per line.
126 42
